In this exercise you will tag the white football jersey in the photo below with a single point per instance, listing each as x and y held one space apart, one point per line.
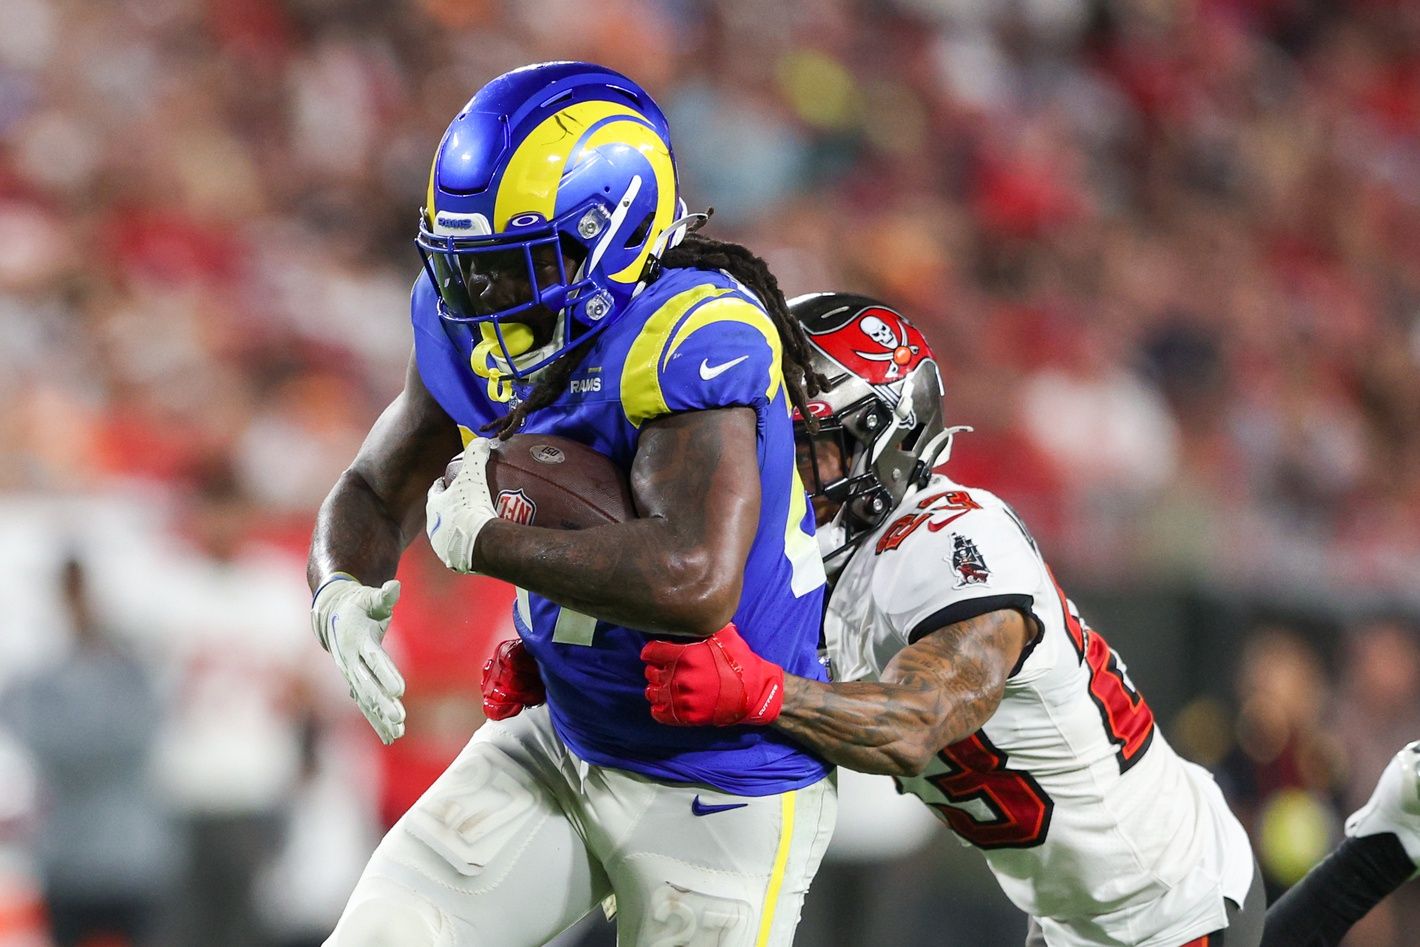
1089 820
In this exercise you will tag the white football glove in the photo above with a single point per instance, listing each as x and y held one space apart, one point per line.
454 514
350 621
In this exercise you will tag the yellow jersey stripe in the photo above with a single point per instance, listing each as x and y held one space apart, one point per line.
641 396
805 559
781 861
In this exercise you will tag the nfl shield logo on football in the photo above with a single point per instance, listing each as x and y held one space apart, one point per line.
515 505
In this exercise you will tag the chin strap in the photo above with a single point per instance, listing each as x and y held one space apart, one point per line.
684 224
939 449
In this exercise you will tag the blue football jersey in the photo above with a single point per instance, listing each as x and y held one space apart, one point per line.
694 339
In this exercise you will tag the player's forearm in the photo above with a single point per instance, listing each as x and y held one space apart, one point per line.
639 573
937 691
377 506
873 728
354 533
678 567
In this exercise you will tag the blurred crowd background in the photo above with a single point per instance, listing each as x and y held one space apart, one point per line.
1167 250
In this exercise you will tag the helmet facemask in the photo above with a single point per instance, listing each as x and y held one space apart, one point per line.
859 500
881 450
849 434
536 260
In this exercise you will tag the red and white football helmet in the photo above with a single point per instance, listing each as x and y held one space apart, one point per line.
882 404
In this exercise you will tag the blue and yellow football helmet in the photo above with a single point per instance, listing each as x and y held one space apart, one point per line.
554 159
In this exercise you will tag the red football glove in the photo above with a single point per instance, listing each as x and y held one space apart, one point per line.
510 681
717 681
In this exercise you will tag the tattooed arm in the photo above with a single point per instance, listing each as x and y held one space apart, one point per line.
377 506
933 693
678 567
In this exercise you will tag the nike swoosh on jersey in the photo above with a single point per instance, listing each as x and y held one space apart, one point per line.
707 373
701 808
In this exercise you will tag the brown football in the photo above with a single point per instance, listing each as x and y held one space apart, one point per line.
545 480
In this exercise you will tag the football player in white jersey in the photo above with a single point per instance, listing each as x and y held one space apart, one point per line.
965 672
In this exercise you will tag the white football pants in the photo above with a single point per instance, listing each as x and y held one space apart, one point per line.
519 839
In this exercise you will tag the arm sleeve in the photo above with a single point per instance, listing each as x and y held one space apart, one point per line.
978 563
723 352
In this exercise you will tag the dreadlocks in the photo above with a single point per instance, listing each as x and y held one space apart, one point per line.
696 251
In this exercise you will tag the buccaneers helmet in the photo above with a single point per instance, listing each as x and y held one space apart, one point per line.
882 406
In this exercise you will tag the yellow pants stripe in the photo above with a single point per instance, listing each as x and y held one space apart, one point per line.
781 861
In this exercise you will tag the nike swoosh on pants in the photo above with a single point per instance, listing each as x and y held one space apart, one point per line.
701 808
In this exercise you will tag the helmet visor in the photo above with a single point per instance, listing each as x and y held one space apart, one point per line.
479 280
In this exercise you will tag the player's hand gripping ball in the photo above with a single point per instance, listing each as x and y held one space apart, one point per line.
715 682
533 479
457 510
510 681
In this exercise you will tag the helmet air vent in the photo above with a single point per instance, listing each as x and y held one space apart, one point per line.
556 97
630 96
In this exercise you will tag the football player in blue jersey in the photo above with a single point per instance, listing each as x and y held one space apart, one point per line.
563 293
